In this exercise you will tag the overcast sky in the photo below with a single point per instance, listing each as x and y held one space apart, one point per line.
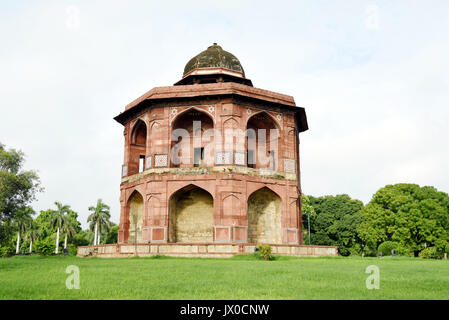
373 77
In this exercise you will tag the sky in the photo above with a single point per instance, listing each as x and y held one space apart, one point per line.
373 77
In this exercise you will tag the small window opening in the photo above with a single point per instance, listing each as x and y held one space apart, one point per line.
141 163
198 156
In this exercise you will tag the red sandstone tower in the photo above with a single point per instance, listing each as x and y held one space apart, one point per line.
211 159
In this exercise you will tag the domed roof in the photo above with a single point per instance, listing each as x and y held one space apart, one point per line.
214 57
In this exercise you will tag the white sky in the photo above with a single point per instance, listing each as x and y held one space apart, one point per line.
372 75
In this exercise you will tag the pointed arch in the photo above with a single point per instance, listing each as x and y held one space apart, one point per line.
139 132
173 120
231 205
191 215
264 113
190 146
135 212
255 189
262 141
264 217
137 148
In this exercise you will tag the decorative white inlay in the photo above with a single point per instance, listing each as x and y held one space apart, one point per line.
124 170
239 158
160 160
289 165
223 157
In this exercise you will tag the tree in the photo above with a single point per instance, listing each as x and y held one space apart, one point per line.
68 230
33 233
335 221
416 217
59 220
308 214
99 219
22 220
17 187
112 235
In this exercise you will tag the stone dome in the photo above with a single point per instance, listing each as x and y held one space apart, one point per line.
214 57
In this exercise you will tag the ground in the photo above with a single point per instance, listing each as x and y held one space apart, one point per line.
241 277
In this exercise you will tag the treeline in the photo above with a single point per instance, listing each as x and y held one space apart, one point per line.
55 231
52 230
407 218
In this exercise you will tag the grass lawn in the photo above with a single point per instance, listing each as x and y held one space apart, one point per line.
241 277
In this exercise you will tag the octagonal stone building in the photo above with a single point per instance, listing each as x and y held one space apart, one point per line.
211 160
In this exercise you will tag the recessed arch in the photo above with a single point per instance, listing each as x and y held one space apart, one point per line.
264 217
267 187
191 215
190 146
262 141
135 210
265 113
137 148
139 132
172 121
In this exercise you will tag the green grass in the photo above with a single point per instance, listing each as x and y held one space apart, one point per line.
241 277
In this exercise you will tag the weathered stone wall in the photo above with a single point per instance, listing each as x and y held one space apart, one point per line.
192 216
135 211
264 217
200 250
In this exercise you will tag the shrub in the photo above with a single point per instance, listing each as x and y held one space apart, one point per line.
264 252
387 246
430 253
45 246
72 249
6 251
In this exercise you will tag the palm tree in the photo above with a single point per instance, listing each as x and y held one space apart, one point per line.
34 233
99 219
21 221
103 225
68 229
59 220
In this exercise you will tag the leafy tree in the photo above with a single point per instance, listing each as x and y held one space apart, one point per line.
99 219
335 221
59 220
307 212
17 187
112 235
416 217
81 238
22 219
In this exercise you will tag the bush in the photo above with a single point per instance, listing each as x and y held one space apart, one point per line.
45 246
6 251
72 249
387 246
430 253
264 252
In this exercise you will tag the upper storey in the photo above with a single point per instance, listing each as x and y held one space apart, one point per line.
212 73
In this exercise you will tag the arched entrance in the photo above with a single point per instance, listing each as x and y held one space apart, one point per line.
135 218
264 217
192 140
191 216
138 148
262 147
